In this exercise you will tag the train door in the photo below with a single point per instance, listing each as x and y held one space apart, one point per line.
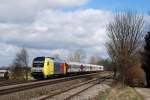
48 67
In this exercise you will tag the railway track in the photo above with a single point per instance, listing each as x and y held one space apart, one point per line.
20 87
70 92
86 88
14 82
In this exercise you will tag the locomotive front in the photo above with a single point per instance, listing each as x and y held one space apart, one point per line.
46 67
37 67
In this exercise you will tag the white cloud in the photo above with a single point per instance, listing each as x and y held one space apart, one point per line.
24 11
58 32
7 50
147 22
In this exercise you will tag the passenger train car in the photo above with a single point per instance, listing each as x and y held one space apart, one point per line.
45 67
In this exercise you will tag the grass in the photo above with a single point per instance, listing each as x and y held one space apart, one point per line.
127 93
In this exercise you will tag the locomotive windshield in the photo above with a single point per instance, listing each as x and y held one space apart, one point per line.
38 62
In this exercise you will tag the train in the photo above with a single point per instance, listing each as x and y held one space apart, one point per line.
46 67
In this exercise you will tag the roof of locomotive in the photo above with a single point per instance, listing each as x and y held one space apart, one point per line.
42 58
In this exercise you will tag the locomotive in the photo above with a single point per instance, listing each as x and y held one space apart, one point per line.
46 67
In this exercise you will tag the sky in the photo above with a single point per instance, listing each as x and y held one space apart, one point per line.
59 27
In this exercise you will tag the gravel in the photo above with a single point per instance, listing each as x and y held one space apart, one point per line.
86 95
36 92
45 90
68 93
92 92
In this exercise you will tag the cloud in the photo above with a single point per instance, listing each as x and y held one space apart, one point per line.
18 11
147 23
59 32
58 29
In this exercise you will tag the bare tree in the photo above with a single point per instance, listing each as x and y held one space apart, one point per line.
77 56
20 64
95 59
125 35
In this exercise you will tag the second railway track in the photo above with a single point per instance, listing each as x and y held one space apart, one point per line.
87 87
74 90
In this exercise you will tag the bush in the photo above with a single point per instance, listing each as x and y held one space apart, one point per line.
136 76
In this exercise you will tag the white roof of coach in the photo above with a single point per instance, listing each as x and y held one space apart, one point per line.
77 63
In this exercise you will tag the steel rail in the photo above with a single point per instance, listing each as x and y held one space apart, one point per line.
20 87
77 93
72 87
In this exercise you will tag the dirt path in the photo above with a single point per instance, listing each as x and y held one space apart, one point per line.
145 92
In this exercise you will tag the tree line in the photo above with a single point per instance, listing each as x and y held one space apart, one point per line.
20 66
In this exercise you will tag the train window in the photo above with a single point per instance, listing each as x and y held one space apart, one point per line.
38 64
39 59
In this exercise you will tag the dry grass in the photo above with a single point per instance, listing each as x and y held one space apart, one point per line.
127 93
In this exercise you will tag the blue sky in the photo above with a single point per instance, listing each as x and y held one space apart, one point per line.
58 27
119 5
